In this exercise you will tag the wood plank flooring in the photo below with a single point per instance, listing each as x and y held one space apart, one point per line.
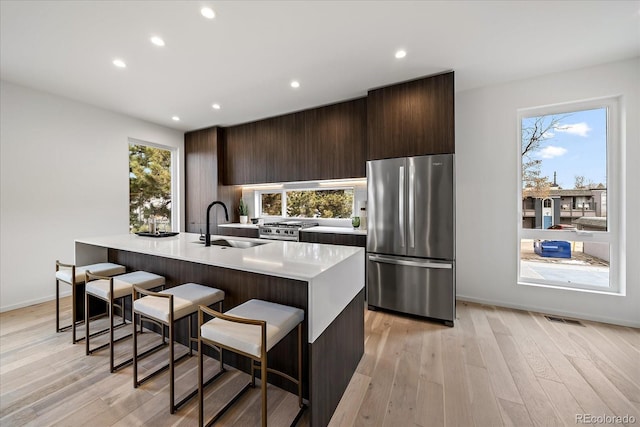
497 366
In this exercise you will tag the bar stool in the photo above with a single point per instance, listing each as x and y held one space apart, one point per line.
165 309
240 331
110 289
72 275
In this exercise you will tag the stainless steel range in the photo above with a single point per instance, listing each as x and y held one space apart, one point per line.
284 230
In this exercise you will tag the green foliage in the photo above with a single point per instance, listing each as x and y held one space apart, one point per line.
243 209
149 186
320 203
272 204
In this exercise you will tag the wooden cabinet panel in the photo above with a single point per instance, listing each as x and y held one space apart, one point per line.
335 141
238 232
334 238
201 172
244 154
411 119
201 179
322 143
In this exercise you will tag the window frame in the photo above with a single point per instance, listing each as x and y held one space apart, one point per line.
615 203
284 191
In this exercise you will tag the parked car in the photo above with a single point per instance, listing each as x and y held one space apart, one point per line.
562 227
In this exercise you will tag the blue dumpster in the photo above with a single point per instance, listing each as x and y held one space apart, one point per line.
552 248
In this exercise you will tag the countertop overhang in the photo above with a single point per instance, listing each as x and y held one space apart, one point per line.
292 260
334 274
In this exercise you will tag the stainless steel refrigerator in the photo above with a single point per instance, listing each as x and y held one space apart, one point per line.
411 235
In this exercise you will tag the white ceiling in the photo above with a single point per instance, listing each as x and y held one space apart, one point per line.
245 58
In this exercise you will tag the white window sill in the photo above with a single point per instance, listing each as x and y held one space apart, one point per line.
569 288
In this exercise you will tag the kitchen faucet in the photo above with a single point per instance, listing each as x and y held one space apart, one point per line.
207 236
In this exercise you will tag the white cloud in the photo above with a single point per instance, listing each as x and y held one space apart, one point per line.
552 151
580 129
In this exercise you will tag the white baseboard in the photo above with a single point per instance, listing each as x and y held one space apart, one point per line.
545 310
33 302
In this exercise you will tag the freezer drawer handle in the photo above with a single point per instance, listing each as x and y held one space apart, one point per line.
376 258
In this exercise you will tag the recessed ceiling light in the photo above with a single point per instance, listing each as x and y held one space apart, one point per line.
208 13
295 84
216 106
175 118
119 63
401 54
157 41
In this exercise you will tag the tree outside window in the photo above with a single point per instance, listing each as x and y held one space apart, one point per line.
149 187
566 235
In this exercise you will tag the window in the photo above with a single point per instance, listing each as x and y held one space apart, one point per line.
303 203
271 204
150 187
569 196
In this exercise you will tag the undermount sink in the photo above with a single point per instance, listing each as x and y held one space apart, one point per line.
241 244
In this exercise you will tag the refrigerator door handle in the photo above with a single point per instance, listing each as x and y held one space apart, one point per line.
421 264
401 205
412 214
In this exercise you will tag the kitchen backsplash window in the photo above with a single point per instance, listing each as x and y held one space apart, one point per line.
330 201
336 203
271 204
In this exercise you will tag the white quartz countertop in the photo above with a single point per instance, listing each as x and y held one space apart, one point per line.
334 230
293 260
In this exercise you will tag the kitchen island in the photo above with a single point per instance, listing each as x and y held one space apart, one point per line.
326 281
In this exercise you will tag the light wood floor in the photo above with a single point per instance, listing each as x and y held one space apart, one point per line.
495 367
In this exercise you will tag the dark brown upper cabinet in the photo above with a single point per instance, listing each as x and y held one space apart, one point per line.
412 118
321 143
336 140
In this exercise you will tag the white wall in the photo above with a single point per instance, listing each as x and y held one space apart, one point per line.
64 175
487 148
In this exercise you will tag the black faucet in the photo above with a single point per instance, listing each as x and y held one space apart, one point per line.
207 236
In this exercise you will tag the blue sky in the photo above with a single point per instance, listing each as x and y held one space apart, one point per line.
577 146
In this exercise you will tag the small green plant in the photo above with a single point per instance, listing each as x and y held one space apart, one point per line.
243 209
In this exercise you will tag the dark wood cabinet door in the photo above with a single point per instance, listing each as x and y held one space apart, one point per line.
411 119
321 143
335 141
202 150
334 238
245 154
238 232
201 176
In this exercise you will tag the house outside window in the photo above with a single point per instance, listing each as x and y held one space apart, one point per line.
570 196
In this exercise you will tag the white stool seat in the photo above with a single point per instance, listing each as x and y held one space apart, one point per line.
123 284
281 320
156 307
101 269
186 299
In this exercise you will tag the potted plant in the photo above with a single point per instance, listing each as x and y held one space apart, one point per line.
244 212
